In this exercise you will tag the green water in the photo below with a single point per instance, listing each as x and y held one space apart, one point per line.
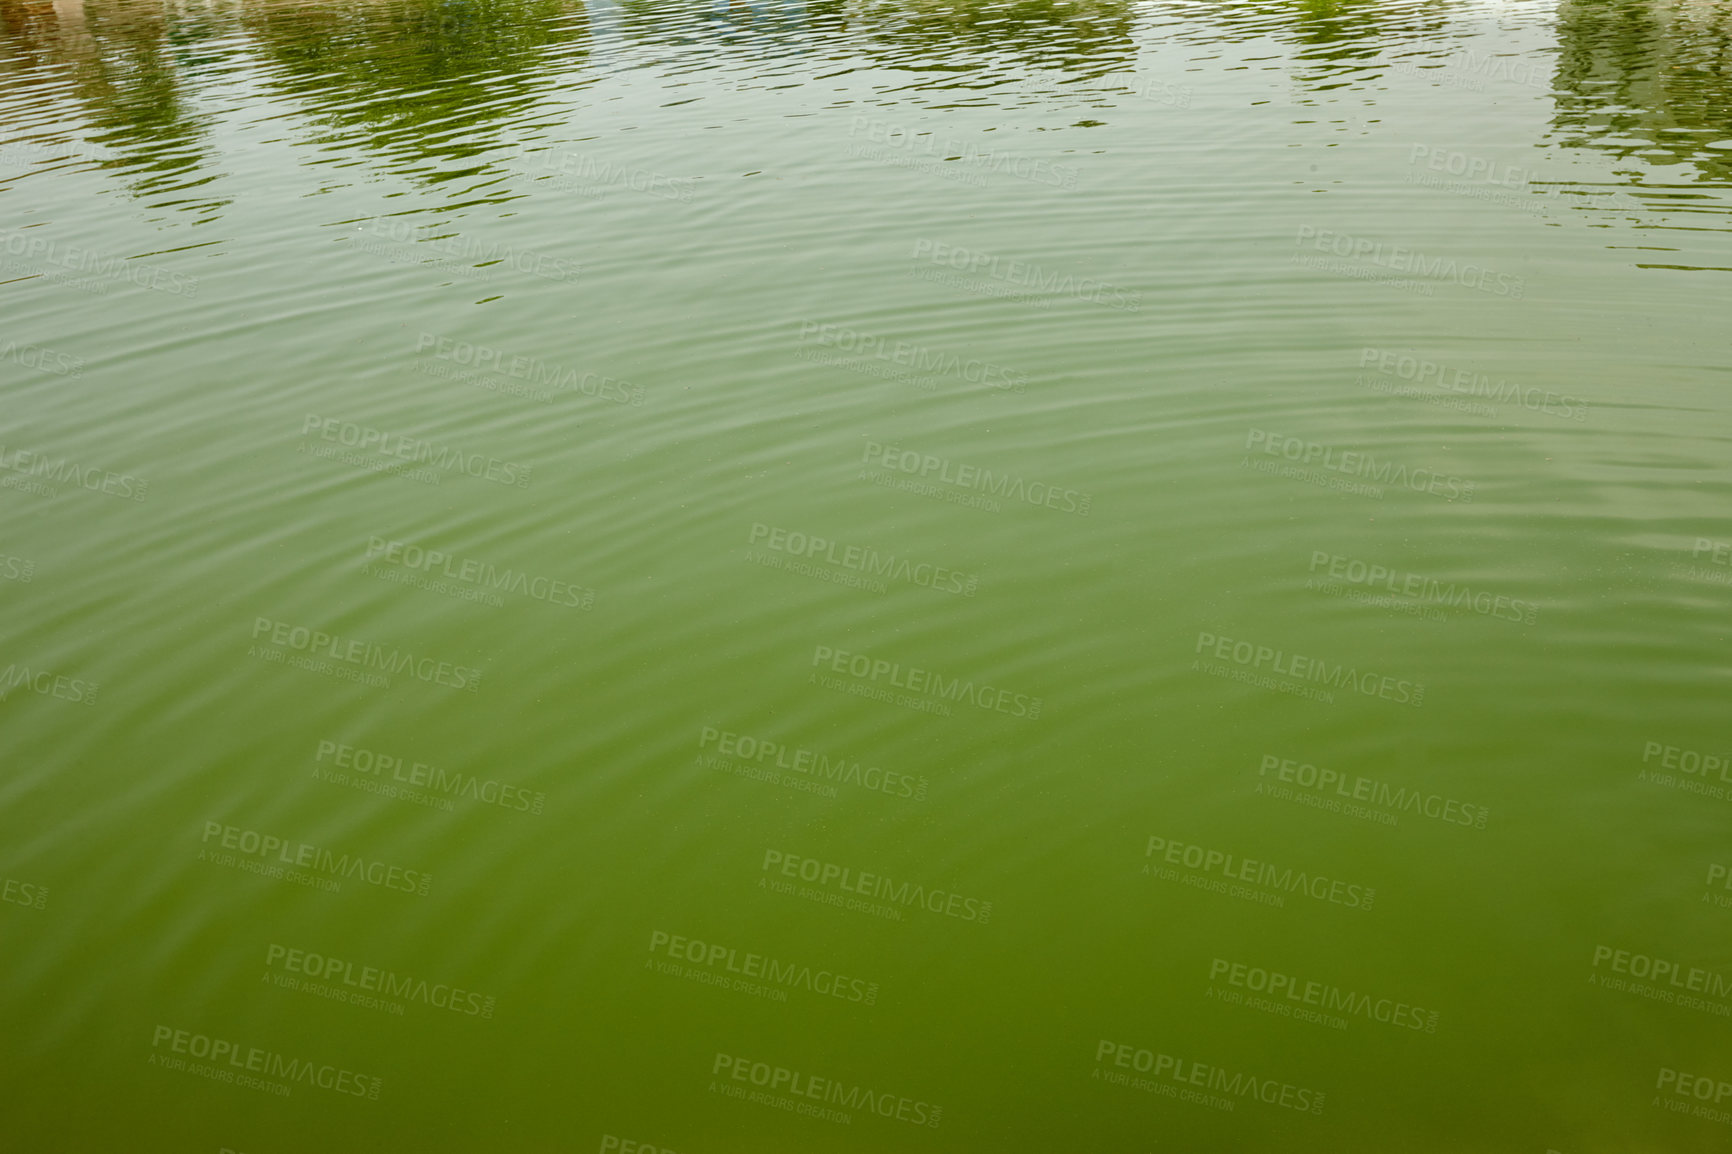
728 578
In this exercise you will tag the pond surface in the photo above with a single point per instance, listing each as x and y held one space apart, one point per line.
859 576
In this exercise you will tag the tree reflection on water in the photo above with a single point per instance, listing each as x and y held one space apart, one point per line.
434 89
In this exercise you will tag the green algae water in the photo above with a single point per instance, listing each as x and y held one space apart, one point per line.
858 576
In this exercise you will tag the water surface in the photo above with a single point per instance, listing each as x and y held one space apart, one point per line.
865 576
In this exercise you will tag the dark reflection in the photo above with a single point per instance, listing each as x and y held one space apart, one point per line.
418 82
127 68
444 90
1336 41
1340 43
956 51
422 82
1087 51
1648 81
1084 38
750 40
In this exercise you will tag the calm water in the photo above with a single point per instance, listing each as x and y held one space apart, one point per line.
865 576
